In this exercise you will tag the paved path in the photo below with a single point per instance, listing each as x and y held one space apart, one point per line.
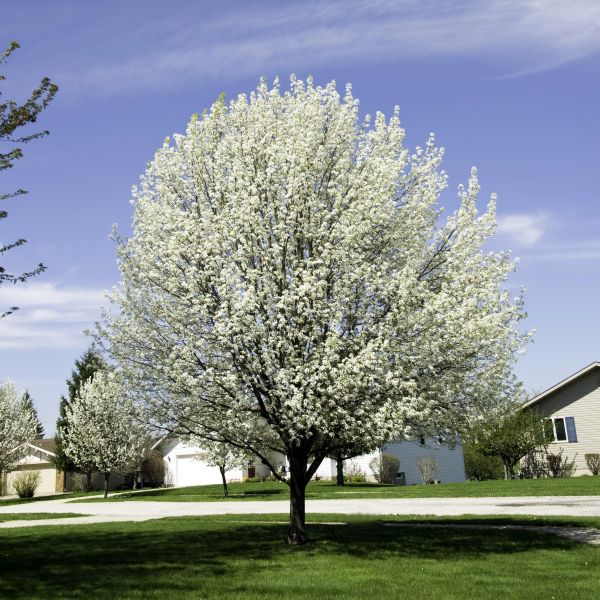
572 506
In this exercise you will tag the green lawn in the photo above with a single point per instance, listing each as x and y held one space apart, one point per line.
15 501
35 516
245 557
575 486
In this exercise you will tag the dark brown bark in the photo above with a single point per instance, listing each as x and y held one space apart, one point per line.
106 477
225 490
339 472
88 483
298 481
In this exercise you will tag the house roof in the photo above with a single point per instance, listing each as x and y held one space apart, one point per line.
48 445
563 383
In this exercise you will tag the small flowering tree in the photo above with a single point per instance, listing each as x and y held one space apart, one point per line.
222 455
17 426
103 432
290 286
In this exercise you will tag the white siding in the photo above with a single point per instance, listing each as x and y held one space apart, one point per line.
185 468
451 461
579 399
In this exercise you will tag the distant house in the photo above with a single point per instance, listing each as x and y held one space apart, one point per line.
573 406
39 457
185 468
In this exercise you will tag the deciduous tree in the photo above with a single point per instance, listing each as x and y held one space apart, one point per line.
17 427
14 116
103 433
291 286
222 455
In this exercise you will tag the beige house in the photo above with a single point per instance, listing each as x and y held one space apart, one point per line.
573 405
38 458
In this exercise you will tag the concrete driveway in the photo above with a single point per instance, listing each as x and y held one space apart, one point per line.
572 506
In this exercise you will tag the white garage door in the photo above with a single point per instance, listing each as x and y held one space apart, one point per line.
191 471
47 483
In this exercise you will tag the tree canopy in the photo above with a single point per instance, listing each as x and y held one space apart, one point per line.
290 284
85 368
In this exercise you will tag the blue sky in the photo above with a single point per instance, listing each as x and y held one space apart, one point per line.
511 86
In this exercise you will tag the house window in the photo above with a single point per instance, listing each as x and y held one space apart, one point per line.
422 440
564 429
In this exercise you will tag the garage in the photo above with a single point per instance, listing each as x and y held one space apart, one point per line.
47 483
191 471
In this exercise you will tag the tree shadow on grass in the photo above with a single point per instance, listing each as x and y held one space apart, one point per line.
175 558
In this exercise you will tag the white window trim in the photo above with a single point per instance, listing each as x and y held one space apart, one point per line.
564 420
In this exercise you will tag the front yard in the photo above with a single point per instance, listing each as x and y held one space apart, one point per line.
574 486
245 557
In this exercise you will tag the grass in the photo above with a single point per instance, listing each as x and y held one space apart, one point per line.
245 557
35 516
575 486
68 495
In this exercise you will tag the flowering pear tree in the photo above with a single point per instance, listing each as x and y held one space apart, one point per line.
17 426
103 432
290 285
224 456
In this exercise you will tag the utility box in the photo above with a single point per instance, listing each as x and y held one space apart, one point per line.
400 478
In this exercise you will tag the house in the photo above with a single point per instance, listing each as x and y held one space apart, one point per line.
39 457
573 406
184 466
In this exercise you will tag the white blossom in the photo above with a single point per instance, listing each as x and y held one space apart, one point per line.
17 426
104 434
290 283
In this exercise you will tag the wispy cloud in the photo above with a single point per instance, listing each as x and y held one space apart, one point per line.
569 251
523 229
151 50
50 316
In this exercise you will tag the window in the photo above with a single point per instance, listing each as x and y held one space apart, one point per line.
564 429
422 440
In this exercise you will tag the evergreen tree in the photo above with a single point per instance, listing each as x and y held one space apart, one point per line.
28 405
85 367
13 116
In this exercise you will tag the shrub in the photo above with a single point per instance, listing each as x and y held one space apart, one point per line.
153 468
593 462
559 466
533 466
481 467
353 474
79 483
428 468
26 483
385 467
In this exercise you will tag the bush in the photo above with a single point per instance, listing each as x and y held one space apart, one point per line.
593 462
559 466
353 474
385 468
480 467
428 468
79 483
26 483
153 469
533 466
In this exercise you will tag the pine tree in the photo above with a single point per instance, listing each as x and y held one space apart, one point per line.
30 406
85 367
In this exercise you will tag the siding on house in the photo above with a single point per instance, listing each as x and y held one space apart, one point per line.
580 399
450 461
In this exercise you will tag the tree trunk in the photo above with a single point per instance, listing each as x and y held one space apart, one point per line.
88 483
298 481
106 476
225 490
339 473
